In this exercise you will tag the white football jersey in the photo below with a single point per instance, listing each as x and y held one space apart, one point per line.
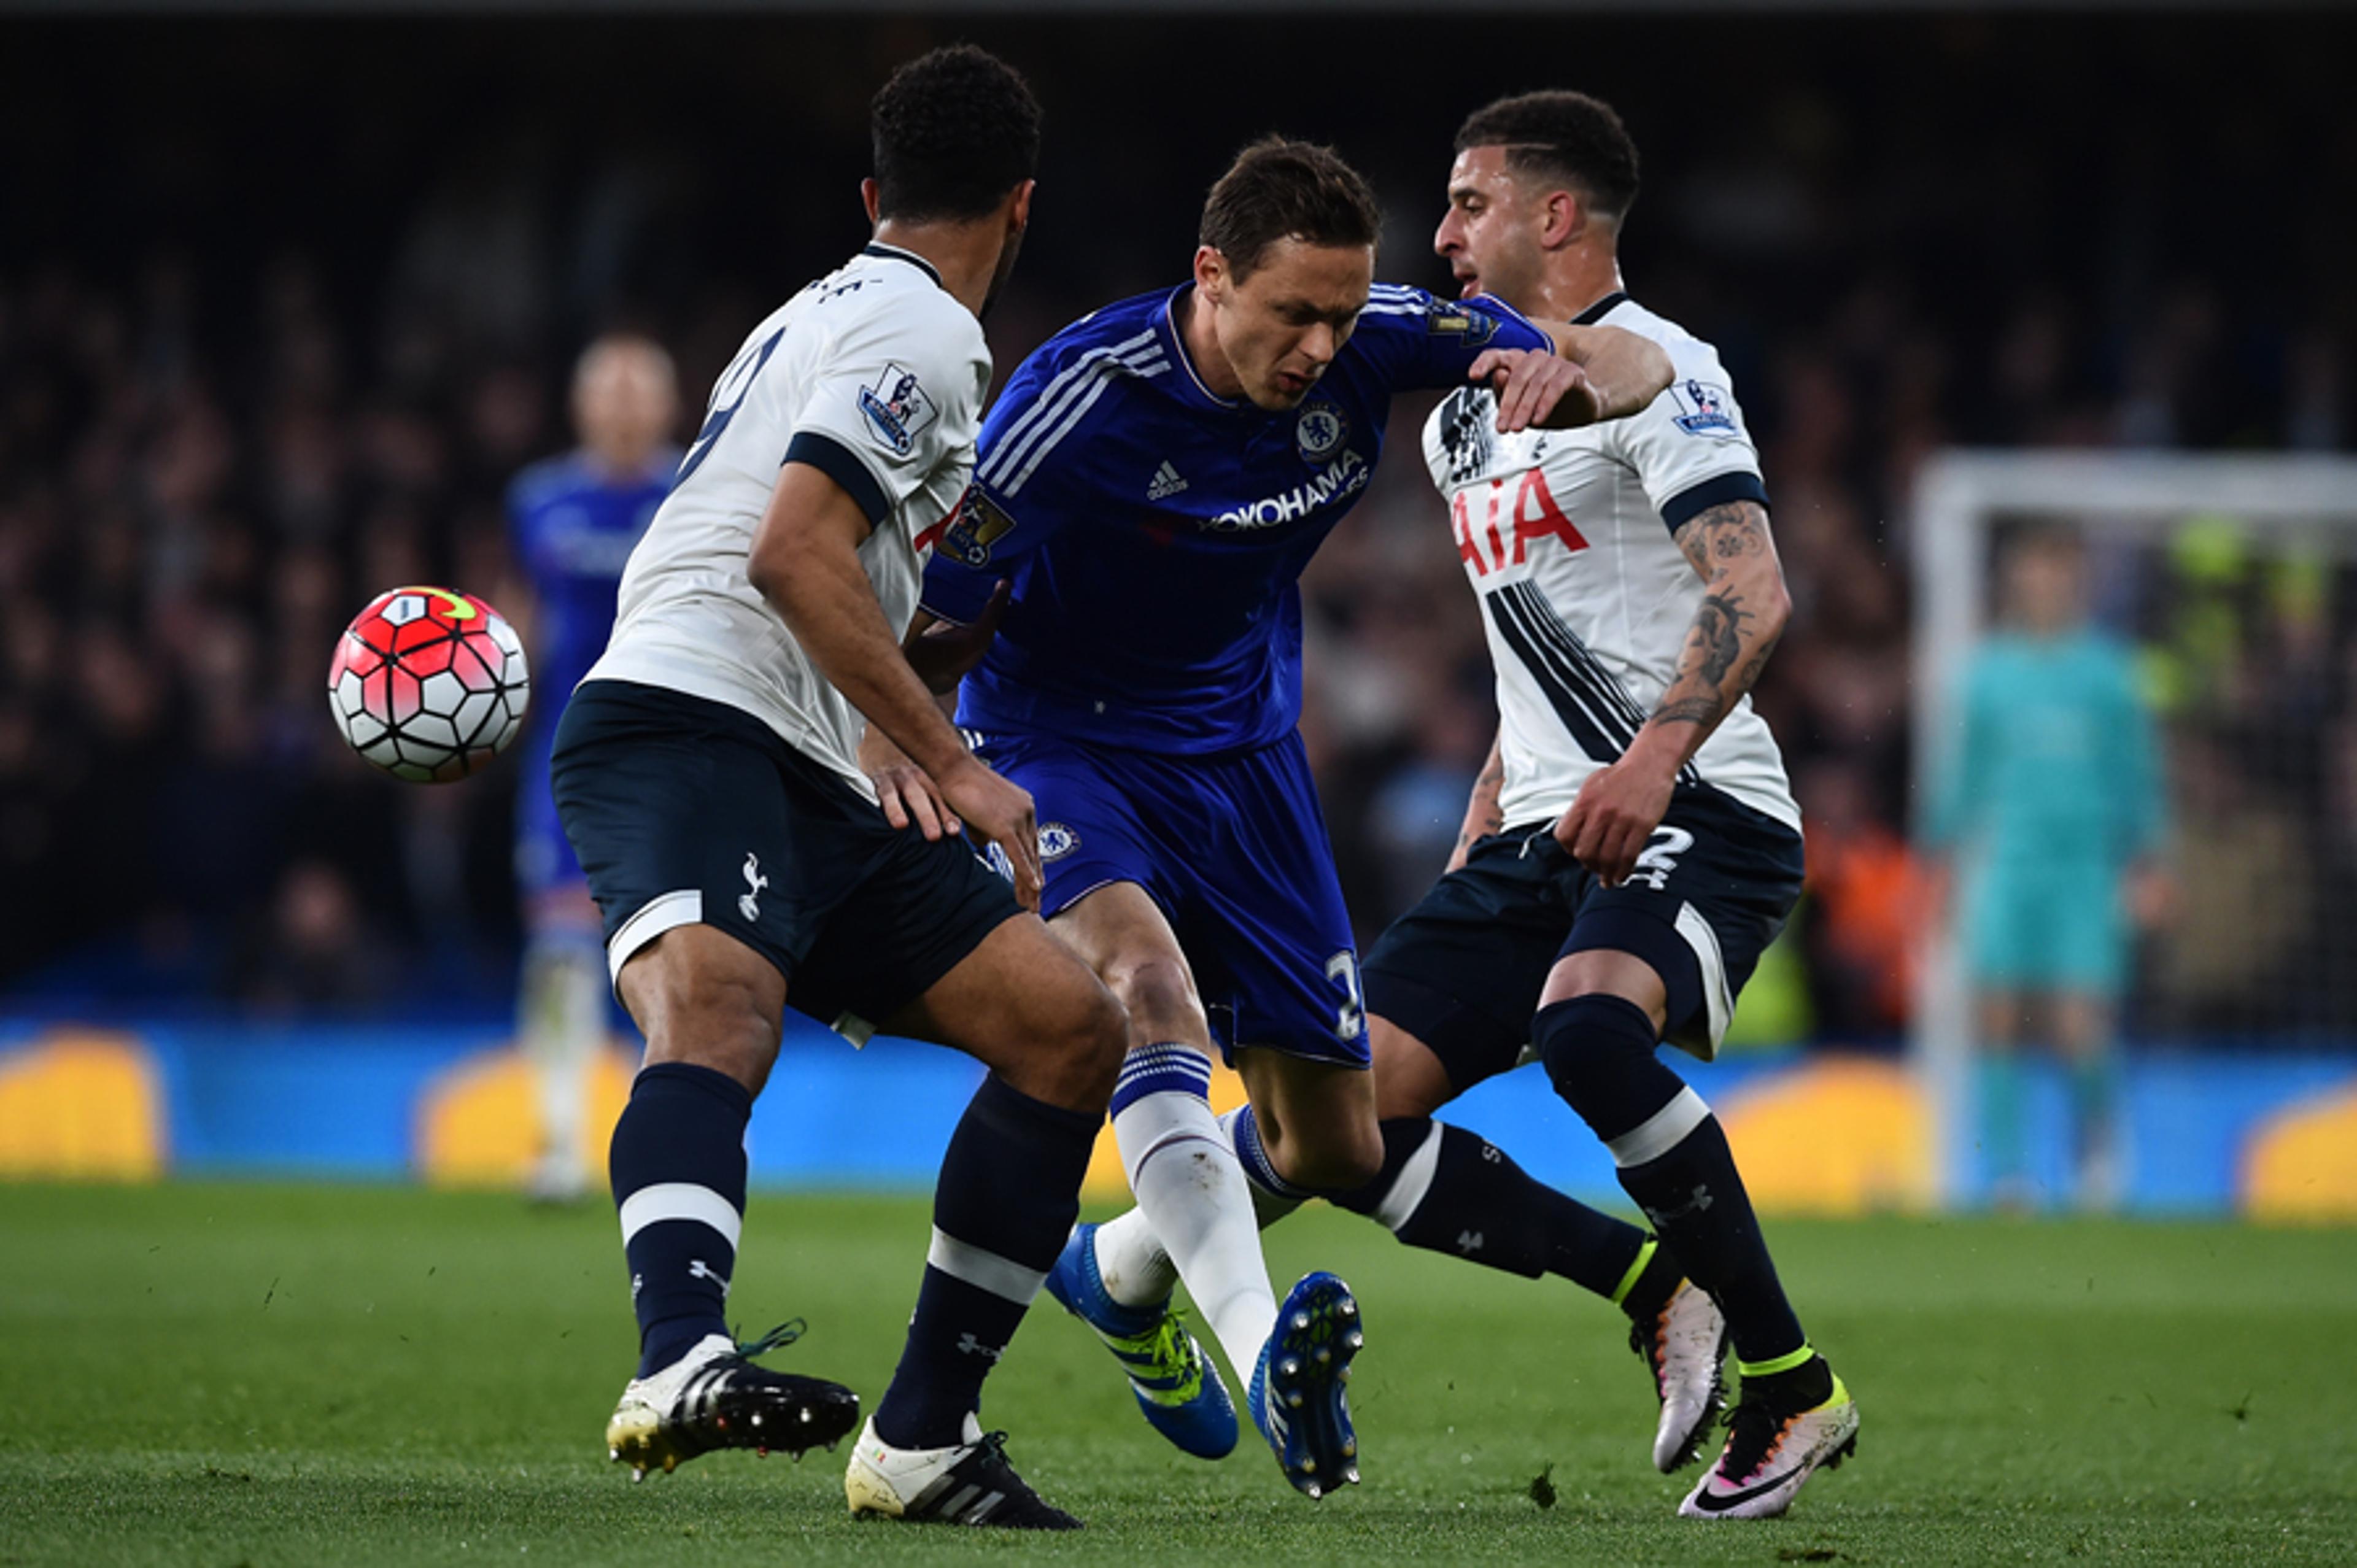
1567 537
874 374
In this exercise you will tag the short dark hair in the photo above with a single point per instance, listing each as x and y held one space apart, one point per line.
953 132
1281 189
1561 136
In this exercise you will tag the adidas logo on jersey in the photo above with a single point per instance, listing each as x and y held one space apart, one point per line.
1167 483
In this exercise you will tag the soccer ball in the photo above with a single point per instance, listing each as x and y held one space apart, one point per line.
428 684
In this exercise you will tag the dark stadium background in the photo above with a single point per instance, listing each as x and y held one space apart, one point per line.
287 299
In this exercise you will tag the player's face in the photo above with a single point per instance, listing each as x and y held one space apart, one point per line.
624 398
1489 236
2044 580
1282 325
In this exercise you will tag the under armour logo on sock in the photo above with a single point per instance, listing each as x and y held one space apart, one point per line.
697 1269
1469 1241
1694 1205
637 1283
970 1346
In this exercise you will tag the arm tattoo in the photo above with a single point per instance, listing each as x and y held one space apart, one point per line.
1487 818
1723 532
1718 632
1717 540
1687 711
1759 661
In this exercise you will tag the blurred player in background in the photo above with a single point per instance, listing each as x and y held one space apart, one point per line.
572 523
2051 813
1152 482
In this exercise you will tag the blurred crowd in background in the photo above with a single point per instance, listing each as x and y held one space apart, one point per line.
289 306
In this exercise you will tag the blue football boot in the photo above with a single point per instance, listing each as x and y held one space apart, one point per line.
1297 1396
1178 1387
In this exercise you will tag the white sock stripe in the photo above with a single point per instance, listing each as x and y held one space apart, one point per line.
1157 1055
1662 1130
681 1200
1002 1277
1399 1205
1146 1064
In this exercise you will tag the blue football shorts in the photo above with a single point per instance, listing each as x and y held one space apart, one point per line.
1234 849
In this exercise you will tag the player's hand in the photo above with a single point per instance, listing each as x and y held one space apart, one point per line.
944 651
1000 812
1536 388
1606 828
902 789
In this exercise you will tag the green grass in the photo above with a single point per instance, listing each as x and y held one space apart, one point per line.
223 1374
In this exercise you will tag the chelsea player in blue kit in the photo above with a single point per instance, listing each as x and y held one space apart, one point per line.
572 523
1150 487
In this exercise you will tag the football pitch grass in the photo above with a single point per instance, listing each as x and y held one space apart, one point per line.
241 1374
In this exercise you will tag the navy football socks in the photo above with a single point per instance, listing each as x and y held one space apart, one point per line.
1448 1190
1672 1159
678 1166
1008 1193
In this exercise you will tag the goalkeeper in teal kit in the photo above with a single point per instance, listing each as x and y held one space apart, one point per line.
2052 808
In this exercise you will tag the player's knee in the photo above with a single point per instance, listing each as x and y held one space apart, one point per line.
1086 1046
703 1009
1591 1044
725 1029
1409 1078
1340 1159
1156 991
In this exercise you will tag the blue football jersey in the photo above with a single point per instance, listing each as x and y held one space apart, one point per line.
573 527
1155 533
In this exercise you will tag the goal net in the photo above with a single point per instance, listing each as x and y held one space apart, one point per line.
2230 578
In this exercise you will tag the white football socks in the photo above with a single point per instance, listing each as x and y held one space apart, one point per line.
1194 1218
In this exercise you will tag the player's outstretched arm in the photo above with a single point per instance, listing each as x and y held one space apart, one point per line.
804 561
1626 371
1596 373
1743 610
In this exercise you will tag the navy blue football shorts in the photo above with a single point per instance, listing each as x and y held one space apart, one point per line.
1234 849
1463 970
686 812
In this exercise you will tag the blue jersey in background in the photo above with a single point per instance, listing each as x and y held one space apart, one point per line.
572 526
1154 534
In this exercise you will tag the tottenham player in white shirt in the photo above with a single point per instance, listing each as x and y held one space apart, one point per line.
705 772
1632 845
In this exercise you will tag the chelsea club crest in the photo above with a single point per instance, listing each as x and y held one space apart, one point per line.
1321 431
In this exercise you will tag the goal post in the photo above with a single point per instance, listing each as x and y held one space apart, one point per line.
2277 507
